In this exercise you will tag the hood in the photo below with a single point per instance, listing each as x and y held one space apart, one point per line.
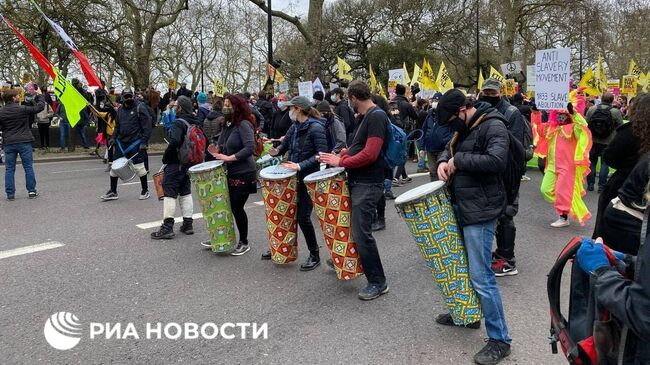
190 118
214 114
483 108
206 106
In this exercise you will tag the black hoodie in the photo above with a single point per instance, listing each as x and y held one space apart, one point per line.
176 137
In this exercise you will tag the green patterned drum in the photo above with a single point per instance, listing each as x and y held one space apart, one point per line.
430 217
211 186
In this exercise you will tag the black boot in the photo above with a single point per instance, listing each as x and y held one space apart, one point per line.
166 231
186 227
379 224
312 262
267 255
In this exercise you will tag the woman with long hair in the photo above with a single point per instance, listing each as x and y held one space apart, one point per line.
303 141
235 146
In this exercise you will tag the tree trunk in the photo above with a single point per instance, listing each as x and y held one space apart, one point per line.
315 26
510 10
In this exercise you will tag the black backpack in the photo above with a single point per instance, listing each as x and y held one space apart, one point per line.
529 148
601 123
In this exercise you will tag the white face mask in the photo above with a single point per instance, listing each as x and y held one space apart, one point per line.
292 115
333 98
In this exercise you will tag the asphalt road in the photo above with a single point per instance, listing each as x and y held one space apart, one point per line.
109 270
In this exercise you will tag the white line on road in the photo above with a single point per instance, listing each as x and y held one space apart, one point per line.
418 174
83 170
156 224
135 182
30 249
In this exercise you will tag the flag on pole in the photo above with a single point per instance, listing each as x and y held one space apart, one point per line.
494 74
344 69
634 70
444 80
38 56
428 82
407 78
480 80
70 97
373 80
381 91
601 76
417 71
87 70
318 85
644 81
589 82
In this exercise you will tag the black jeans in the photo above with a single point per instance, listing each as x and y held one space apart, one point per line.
597 150
621 231
176 181
44 134
304 218
238 198
506 231
364 203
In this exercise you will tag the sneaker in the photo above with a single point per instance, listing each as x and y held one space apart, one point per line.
389 195
407 180
561 222
492 353
109 196
422 170
312 262
206 244
144 196
241 249
397 183
525 178
11 198
373 291
503 267
266 255
32 194
446 320
378 225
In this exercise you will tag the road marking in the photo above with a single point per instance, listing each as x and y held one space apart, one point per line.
84 170
155 224
30 249
418 174
136 182
261 202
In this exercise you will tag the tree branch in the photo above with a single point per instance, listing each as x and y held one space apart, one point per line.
291 19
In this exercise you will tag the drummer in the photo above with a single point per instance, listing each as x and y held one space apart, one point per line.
235 147
304 140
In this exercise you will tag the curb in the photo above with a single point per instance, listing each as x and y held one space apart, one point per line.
81 158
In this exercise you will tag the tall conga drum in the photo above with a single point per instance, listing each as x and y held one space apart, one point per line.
266 161
280 191
211 186
330 194
430 217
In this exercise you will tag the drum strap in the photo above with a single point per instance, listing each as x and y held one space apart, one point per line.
131 147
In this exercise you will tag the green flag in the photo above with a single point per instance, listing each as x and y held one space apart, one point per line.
67 95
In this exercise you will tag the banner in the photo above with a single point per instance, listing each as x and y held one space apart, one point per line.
509 87
373 80
634 70
552 73
38 56
494 74
644 81
428 83
407 78
395 77
589 82
443 80
70 97
630 83
344 69
417 71
305 88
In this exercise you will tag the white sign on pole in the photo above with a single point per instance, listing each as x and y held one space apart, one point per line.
511 68
333 86
318 86
552 69
284 86
530 78
397 75
305 88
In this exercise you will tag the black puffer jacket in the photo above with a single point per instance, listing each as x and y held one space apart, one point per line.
303 141
176 136
213 125
480 156
15 121
133 123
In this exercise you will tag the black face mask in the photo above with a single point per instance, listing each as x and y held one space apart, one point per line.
128 102
492 100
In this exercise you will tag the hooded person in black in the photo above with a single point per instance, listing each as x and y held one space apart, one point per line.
176 181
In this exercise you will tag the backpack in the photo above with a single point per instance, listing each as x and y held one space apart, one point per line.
441 133
528 132
194 144
396 143
601 123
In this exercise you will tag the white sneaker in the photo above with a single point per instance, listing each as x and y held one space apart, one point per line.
561 222
144 196
525 178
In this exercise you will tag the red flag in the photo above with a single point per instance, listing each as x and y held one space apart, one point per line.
44 62
88 72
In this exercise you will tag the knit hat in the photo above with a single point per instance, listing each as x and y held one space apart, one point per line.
324 107
185 104
202 98
449 105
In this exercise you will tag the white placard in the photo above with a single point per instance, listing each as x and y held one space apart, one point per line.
284 86
397 75
511 68
530 78
317 85
305 88
333 86
552 71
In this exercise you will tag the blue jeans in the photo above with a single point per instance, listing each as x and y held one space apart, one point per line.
478 242
11 152
64 131
597 151
81 130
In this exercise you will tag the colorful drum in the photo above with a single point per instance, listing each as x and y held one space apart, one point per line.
266 161
428 213
157 182
211 185
280 191
329 191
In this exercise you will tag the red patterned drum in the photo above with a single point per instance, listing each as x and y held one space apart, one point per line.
280 191
329 191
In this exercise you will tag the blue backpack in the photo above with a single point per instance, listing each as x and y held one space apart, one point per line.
396 143
441 134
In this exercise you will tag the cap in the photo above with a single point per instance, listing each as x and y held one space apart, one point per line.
491 84
449 105
301 102
127 92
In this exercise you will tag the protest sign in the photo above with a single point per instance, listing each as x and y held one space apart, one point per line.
530 78
305 88
171 84
511 68
614 86
552 74
509 87
630 83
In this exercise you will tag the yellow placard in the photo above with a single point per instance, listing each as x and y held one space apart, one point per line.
509 87
530 94
630 83
27 78
21 94
219 88
171 84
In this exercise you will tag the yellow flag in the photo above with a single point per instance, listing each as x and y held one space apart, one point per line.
589 82
381 91
279 78
344 70
219 88
407 78
509 87
428 83
601 76
629 85
634 70
71 99
417 71
644 81
494 74
480 79
373 80
443 80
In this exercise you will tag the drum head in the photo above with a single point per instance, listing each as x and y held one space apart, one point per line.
323 174
266 159
119 163
276 173
419 192
206 166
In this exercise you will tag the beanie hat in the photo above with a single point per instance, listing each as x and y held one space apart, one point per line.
202 98
185 104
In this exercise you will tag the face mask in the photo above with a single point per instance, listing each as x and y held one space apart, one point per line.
227 112
333 98
29 98
292 115
128 102
280 105
492 100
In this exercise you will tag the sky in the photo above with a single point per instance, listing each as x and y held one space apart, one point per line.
301 6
